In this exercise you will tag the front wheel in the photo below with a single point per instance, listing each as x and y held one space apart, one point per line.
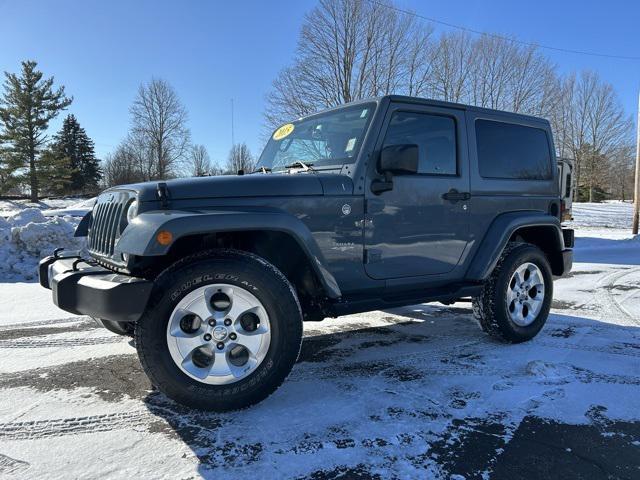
222 332
516 299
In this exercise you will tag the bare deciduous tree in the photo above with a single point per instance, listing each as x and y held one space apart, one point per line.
451 67
348 50
240 158
621 172
199 161
593 169
122 166
596 119
159 122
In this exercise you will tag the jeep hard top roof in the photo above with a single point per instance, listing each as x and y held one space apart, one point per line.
439 103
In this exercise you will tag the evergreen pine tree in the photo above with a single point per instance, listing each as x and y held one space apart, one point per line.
73 143
5 171
27 105
55 173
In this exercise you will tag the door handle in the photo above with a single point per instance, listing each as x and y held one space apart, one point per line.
454 195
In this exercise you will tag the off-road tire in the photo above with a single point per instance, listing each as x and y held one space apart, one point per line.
475 309
490 308
126 329
233 267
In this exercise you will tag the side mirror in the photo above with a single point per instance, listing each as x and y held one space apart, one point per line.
399 159
394 159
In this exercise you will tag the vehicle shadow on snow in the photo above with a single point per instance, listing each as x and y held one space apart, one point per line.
607 251
22 279
412 396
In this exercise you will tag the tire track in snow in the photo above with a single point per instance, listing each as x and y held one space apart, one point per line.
10 466
38 429
42 323
44 342
606 284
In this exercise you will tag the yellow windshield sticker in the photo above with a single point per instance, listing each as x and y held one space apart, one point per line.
283 131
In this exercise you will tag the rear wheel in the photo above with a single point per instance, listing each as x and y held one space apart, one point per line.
222 332
516 299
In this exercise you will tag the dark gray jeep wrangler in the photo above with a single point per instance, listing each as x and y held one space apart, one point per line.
376 204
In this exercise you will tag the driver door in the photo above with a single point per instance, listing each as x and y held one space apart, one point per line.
421 226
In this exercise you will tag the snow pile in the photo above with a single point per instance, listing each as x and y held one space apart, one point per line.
27 236
79 209
10 207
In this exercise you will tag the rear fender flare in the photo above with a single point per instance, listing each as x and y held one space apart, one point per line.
499 233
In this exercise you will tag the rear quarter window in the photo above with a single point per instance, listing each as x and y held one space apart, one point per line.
511 151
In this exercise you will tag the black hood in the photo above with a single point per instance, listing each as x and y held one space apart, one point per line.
254 185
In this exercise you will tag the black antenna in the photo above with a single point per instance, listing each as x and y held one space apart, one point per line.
233 141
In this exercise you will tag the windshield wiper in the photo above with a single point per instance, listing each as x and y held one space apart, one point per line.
262 170
305 166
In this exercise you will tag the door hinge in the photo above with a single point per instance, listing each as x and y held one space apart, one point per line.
372 256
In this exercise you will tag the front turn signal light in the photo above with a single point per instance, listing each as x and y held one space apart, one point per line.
164 237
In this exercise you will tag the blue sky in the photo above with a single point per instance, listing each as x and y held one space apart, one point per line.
213 51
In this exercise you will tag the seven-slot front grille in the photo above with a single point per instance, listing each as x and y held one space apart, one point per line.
107 217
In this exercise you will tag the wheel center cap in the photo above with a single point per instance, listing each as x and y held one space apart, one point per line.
220 333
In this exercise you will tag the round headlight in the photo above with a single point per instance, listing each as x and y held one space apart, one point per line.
132 211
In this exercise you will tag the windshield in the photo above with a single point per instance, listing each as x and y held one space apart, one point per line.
331 138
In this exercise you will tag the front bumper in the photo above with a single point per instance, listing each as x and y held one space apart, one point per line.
83 288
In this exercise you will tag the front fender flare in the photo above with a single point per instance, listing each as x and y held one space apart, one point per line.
139 238
82 230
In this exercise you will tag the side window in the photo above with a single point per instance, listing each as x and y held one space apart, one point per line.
507 150
567 187
435 136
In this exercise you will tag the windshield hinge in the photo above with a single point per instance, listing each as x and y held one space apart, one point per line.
163 194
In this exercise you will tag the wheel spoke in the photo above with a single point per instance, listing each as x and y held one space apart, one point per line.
251 342
519 276
517 311
200 309
189 343
221 366
238 308
194 369
536 278
534 306
199 303
512 294
186 342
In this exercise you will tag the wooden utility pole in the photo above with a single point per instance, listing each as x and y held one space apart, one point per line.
636 190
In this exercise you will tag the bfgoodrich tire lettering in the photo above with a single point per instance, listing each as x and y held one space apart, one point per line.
233 268
491 306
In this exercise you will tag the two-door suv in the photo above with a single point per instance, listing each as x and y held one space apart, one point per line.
375 204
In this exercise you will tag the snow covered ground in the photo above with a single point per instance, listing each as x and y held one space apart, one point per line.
412 392
30 231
